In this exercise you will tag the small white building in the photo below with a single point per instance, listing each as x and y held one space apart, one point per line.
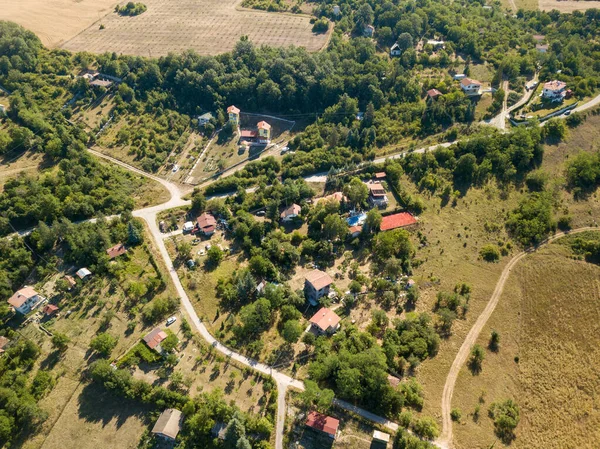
459 76
204 119
188 226
470 86
436 44
368 31
395 50
381 437
554 90
336 10
83 273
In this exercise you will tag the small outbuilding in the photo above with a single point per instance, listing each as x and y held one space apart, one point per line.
433 94
381 437
50 310
323 423
168 425
116 251
83 273
399 220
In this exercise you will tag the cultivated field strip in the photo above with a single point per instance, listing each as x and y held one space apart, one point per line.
209 27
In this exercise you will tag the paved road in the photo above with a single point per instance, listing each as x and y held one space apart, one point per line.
445 440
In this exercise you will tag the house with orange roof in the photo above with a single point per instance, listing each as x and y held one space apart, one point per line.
234 115
264 132
290 213
154 339
25 300
325 321
323 423
207 224
399 220
470 86
116 251
554 90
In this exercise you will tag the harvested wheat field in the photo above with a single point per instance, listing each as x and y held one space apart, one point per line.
55 21
567 6
548 321
207 26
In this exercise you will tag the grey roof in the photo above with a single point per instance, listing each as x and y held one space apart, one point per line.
168 424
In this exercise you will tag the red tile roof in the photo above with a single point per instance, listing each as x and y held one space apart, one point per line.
249 133
555 85
294 209
355 229
380 175
319 279
263 125
433 93
468 81
325 318
323 423
399 220
233 109
206 222
154 338
376 189
50 309
116 251
19 298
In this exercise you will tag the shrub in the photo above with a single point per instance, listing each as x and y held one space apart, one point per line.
321 26
490 253
426 428
455 414
476 359
103 344
506 418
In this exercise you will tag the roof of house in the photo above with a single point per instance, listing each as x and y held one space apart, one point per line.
380 175
249 133
395 46
263 125
381 436
539 37
233 109
325 318
469 81
322 422
375 188
168 423
319 279
541 47
555 85
206 116
116 251
70 280
21 296
433 93
398 220
206 221
294 209
50 309
154 338
337 196
83 272
393 380
355 229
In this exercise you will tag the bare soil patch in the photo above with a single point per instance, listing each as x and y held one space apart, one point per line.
209 27
567 6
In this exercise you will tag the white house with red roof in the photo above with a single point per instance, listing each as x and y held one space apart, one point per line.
264 132
290 213
554 90
325 321
470 86
25 300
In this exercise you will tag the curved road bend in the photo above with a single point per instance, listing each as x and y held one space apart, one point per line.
445 440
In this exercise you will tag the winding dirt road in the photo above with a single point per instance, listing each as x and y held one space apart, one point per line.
445 440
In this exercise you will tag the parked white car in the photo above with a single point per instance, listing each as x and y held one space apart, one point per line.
171 320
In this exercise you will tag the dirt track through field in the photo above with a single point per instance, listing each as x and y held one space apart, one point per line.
209 27
445 441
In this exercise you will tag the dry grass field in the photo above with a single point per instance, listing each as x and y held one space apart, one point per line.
566 6
209 27
548 318
55 21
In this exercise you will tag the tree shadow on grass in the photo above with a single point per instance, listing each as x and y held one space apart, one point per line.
97 405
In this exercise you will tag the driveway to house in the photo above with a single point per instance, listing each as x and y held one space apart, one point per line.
445 440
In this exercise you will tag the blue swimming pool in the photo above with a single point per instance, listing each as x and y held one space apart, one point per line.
356 220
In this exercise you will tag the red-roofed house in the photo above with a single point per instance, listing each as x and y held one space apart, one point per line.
264 132
116 251
380 175
323 423
154 338
325 321
399 220
50 310
24 300
290 212
206 224
316 285
234 115
355 231
470 86
432 94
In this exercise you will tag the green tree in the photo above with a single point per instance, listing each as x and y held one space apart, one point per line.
60 341
169 343
494 343
426 428
476 359
506 419
103 344
490 253
373 220
134 235
291 331
214 256
357 192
